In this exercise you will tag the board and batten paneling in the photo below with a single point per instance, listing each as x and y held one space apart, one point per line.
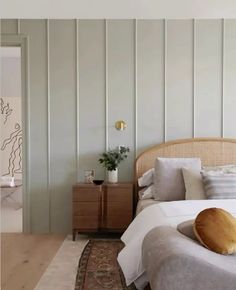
208 78
179 67
121 90
91 98
167 79
38 153
150 83
62 122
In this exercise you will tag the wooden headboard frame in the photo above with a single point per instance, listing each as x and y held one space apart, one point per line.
212 151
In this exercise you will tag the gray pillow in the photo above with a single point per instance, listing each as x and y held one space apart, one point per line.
168 178
219 185
186 228
229 168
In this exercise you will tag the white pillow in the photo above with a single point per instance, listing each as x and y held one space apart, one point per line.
147 178
147 192
168 180
193 184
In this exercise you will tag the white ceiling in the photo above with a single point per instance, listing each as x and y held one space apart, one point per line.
10 52
118 9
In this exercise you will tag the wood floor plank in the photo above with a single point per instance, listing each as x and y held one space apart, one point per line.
24 258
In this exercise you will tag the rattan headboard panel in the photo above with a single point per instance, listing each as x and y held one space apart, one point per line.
212 151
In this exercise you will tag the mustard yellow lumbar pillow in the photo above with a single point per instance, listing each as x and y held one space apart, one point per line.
215 228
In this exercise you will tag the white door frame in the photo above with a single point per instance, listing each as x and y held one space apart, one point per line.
22 41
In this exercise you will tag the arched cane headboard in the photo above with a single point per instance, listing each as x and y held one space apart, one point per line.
212 151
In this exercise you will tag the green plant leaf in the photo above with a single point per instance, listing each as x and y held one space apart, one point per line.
112 158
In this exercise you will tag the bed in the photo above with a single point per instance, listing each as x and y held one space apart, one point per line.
133 258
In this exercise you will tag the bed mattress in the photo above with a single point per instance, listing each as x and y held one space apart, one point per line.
143 203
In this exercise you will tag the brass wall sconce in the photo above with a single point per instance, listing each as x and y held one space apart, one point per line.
120 125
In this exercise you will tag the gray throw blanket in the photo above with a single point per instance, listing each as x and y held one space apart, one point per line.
175 262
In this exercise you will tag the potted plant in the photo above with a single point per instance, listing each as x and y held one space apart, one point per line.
111 159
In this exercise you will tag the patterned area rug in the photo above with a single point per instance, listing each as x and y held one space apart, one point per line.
98 267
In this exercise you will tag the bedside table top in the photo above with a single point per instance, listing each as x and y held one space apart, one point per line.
118 184
84 184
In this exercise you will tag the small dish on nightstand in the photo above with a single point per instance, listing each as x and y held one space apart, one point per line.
98 181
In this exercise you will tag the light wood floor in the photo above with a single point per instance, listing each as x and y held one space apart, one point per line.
24 258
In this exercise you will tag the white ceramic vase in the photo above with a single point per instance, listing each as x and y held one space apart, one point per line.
112 176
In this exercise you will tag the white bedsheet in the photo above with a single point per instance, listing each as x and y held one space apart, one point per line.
165 213
143 203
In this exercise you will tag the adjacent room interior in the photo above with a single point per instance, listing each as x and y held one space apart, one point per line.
11 140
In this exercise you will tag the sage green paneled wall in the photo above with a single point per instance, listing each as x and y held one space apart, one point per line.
92 91
167 79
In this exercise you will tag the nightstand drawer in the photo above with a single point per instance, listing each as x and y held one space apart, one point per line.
86 222
118 222
86 195
119 208
86 208
123 195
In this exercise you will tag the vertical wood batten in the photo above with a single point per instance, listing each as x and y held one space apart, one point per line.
194 75
48 122
18 26
27 225
106 86
222 77
135 89
165 79
77 95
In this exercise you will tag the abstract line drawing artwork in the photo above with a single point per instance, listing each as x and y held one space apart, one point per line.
5 110
11 136
15 142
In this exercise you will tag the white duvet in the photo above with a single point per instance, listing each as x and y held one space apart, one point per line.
166 213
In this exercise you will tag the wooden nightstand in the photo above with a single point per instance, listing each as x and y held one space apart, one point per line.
102 208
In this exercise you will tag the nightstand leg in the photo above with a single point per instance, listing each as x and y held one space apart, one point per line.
74 235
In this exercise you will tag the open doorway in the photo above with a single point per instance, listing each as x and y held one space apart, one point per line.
11 170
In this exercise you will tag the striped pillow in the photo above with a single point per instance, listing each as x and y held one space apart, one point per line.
219 185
